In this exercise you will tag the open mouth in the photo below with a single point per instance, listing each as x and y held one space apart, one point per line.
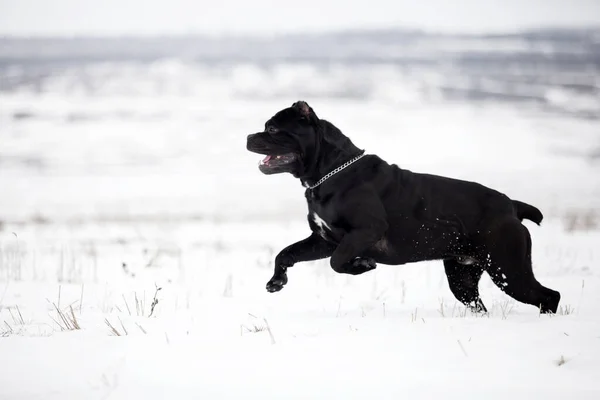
272 161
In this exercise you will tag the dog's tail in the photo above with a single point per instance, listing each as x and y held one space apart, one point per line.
527 211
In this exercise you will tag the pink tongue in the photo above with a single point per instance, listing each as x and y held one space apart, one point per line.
267 158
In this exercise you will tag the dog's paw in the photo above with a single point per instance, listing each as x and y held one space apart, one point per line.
276 283
364 264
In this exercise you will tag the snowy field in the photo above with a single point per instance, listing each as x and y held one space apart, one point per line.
119 179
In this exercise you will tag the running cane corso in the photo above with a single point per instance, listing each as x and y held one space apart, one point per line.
363 211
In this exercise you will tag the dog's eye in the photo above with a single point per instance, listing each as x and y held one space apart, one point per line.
271 129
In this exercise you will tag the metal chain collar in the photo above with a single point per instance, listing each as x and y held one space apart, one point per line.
335 171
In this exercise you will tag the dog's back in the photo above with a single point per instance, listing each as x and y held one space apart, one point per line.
429 198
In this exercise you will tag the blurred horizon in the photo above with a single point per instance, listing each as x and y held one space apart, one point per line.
591 28
556 69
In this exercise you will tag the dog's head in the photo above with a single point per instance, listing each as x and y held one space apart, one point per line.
295 140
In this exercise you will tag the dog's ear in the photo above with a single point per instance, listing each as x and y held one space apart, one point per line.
330 132
305 110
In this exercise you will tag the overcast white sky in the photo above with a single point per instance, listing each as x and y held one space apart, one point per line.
117 17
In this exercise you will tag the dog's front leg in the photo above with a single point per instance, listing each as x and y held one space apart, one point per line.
312 248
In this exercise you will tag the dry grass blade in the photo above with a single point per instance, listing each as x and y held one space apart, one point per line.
413 316
66 322
253 329
12 315
462 348
143 303
57 323
74 321
20 316
155 301
269 330
127 305
10 329
566 310
123 326
506 309
141 328
561 361
81 300
112 328
139 311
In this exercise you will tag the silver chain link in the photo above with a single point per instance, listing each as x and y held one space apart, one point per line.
335 171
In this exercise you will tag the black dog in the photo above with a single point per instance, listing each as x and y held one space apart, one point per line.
364 211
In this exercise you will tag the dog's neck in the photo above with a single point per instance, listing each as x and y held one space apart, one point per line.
333 172
334 151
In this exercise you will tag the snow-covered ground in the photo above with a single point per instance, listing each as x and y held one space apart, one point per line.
216 333
144 182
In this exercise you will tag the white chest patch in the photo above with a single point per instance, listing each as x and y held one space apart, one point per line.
321 224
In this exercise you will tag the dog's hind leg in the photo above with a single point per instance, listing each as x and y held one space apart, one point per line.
464 283
508 262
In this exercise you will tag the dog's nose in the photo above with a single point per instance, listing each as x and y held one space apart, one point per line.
251 137
249 140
